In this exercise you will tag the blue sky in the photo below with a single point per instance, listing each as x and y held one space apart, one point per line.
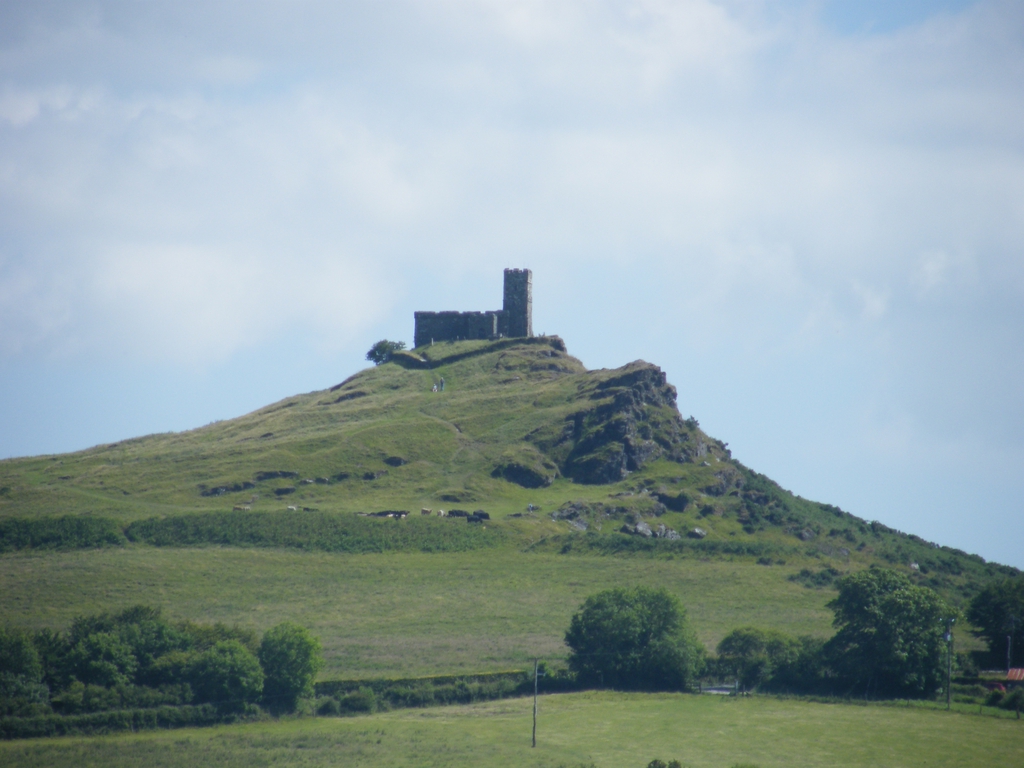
810 214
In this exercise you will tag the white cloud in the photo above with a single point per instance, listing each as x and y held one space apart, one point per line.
733 178
754 150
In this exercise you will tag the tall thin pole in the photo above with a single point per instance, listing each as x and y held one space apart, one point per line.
536 664
949 665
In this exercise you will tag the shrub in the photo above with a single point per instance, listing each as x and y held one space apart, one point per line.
995 698
362 700
382 351
328 707
634 639
227 675
1013 700
825 577
291 658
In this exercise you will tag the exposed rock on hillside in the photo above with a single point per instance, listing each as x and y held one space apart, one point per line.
727 479
527 467
630 419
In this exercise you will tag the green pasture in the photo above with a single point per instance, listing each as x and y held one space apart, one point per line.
399 614
601 729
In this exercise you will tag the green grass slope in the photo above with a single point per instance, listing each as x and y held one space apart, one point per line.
404 614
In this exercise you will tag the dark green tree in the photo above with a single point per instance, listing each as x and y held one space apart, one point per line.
102 658
634 639
118 649
22 691
998 613
382 351
890 635
770 660
807 672
227 675
18 654
291 658
754 655
148 634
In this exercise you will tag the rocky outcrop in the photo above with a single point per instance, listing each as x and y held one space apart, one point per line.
726 480
527 467
521 474
632 420
642 528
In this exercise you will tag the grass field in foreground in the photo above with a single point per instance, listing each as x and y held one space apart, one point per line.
399 614
606 730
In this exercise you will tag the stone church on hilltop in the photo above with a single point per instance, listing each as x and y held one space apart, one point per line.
515 318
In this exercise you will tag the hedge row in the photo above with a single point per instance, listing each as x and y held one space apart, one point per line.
338 688
334 697
616 544
351 696
67 532
324 531
111 722
346 697
330 532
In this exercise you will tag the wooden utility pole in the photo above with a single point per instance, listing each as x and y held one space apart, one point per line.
536 665
949 662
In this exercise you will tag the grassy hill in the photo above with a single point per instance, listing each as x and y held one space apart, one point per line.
520 423
590 479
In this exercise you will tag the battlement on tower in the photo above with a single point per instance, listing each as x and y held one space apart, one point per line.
515 318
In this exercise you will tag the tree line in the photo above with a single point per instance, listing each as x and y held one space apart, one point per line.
890 641
139 667
137 659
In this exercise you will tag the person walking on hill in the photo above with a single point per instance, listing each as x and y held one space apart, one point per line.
442 383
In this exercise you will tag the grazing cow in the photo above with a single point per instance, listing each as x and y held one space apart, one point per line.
440 513
426 511
293 508
241 508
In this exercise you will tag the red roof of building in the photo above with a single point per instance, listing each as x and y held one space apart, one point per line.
1017 673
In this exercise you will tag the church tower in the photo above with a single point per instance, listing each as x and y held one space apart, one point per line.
517 307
